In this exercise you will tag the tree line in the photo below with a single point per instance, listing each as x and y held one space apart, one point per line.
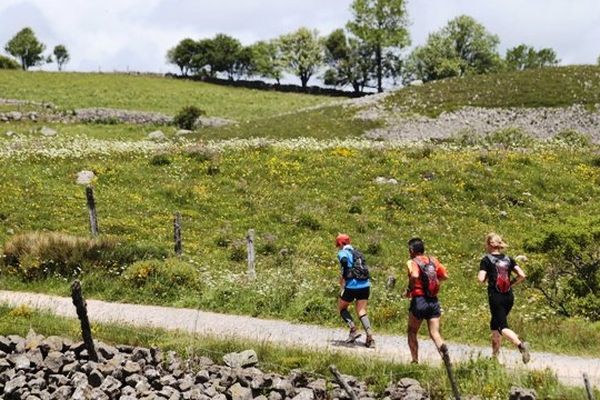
362 55
28 51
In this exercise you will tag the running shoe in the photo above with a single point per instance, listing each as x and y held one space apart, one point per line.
370 342
353 335
524 349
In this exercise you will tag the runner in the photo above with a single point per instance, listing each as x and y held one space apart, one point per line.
424 276
496 268
354 285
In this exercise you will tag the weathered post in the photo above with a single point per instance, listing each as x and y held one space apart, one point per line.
588 387
177 233
91 204
340 379
251 254
451 378
391 283
81 308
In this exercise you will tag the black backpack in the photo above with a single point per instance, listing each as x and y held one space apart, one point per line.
428 276
359 269
502 264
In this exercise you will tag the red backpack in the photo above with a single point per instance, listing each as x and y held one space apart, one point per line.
429 278
502 265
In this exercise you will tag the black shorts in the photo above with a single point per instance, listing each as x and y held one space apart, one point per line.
500 306
425 308
350 295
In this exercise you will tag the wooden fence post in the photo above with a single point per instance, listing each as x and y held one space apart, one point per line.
451 378
251 254
81 308
177 233
91 204
588 387
342 382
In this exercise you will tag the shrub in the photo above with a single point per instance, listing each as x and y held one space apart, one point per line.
186 118
163 275
8 63
125 253
308 221
37 254
238 251
573 138
201 153
510 138
160 159
268 245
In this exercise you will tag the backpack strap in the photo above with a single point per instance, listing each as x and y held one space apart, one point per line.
494 259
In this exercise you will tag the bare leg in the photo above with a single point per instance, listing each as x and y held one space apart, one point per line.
434 332
512 336
496 342
343 309
413 328
361 307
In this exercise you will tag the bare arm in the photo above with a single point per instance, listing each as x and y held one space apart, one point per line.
520 276
482 276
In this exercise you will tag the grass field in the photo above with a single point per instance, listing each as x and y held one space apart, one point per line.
297 201
149 93
478 377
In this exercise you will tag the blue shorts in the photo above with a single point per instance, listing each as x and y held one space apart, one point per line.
425 308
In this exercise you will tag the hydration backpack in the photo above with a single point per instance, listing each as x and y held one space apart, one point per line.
502 265
359 269
429 278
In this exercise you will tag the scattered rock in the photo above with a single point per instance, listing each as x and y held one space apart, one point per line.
183 132
519 393
157 136
48 132
247 358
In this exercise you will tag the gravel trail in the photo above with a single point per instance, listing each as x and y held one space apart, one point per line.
569 369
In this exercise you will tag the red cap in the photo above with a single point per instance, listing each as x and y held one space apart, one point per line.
342 239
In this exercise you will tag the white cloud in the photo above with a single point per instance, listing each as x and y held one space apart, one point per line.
135 34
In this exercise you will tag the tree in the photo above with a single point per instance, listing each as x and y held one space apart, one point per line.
266 60
61 55
302 53
350 62
224 54
380 25
182 54
462 47
25 47
523 57
8 63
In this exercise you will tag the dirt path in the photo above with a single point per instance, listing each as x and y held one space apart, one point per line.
569 369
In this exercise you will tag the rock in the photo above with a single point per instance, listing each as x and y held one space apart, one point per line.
62 393
519 393
183 132
48 132
185 383
238 392
54 361
95 378
319 388
5 345
14 384
79 379
10 133
416 82
274 395
54 343
37 384
140 353
85 177
15 115
82 392
131 368
247 358
98 394
20 361
202 376
304 394
111 387
157 136
35 357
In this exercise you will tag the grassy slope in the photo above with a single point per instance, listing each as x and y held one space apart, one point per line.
548 87
148 93
302 199
481 377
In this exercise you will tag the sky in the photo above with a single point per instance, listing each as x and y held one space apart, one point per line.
134 35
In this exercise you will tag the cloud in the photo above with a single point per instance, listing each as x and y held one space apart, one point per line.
135 34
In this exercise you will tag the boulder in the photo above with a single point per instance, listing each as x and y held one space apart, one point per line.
519 393
54 361
157 136
48 132
238 392
247 358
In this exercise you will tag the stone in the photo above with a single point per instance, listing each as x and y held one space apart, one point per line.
48 132
416 82
183 132
55 343
140 353
95 378
36 357
79 379
157 136
83 392
6 345
519 393
202 376
111 386
131 368
304 394
85 178
15 115
14 384
319 388
62 393
247 358
38 383
10 133
54 361
134 379
184 384
274 395
20 361
98 394
168 380
151 374
238 392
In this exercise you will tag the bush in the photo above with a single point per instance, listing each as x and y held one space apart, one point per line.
186 118
308 221
510 138
37 254
573 138
160 159
8 63
161 275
